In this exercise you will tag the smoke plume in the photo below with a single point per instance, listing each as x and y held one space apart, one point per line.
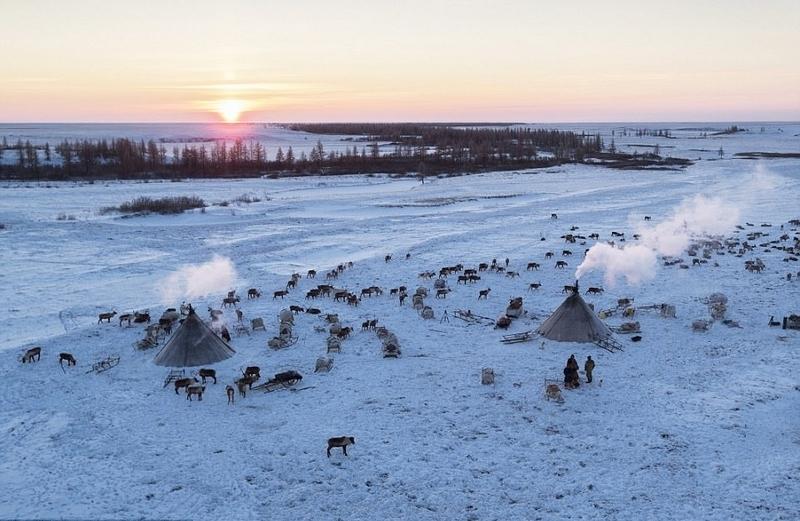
199 280
695 217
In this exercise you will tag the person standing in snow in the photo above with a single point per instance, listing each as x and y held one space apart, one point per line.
589 367
506 262
572 363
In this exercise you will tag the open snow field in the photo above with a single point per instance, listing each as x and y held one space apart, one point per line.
681 425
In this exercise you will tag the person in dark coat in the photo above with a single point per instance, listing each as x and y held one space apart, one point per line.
589 367
572 363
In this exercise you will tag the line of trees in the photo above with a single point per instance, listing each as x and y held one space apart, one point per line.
387 148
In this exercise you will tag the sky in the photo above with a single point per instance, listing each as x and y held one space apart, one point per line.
410 60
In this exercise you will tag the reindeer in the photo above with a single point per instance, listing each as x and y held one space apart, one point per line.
230 392
442 293
549 255
106 316
281 294
312 293
313 311
366 292
243 384
533 266
184 382
127 317
291 284
646 217
402 298
387 258
30 354
253 372
512 274
207 373
474 278
311 274
341 441
566 253
253 293
484 293
195 389
353 300
554 216
296 309
561 264
594 291
229 301
365 325
68 358
483 266
332 275
569 289
344 332
534 285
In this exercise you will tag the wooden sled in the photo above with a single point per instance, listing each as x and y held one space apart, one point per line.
104 364
174 374
283 380
610 344
517 338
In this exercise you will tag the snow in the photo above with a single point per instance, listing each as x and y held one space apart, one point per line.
681 425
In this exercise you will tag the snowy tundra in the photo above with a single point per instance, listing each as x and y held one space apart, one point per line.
682 425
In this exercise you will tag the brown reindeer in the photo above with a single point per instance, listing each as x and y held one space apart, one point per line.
341 441
549 255
230 301
312 293
387 258
311 274
184 382
569 289
253 293
566 253
442 293
280 294
68 358
561 264
296 309
594 291
313 311
195 389
533 266
208 373
484 293
534 285
106 316
230 392
30 354
352 300
344 332
291 284
127 317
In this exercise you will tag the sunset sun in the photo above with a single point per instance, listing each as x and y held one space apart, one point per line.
230 109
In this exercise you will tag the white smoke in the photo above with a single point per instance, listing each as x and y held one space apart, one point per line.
695 217
199 280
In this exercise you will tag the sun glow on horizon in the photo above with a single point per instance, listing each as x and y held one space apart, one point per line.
230 110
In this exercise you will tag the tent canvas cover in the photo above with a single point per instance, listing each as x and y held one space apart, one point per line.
574 321
193 344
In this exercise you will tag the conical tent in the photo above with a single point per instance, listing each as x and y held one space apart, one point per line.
194 343
574 321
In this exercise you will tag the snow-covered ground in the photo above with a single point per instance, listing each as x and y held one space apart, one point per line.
681 425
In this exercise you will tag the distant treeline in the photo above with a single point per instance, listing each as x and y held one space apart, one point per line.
412 148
